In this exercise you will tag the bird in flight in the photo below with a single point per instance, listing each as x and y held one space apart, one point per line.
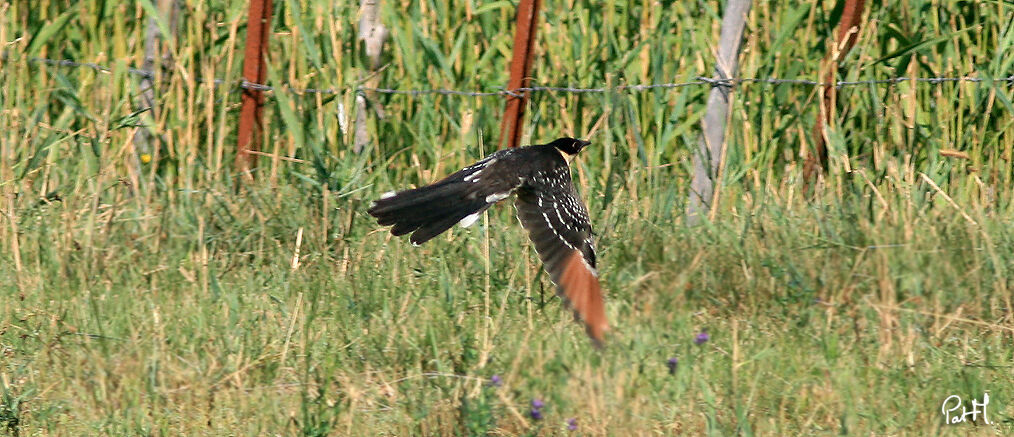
547 204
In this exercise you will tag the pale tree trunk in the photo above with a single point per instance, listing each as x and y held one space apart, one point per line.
144 140
373 33
708 157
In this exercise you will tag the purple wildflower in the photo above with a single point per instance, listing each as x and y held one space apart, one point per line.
537 406
701 338
572 424
672 363
495 381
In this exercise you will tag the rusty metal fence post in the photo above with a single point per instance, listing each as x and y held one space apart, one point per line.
846 37
251 127
521 64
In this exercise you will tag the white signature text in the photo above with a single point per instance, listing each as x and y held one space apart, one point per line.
954 412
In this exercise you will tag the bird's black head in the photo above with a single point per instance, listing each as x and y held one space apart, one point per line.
569 145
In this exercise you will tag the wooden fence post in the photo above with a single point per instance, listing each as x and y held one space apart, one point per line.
708 157
251 119
144 140
373 33
521 64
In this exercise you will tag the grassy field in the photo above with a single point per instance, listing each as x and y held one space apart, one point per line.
164 294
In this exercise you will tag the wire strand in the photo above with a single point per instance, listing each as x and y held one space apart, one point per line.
700 80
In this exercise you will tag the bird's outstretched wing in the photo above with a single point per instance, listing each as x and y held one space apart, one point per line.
459 198
547 204
557 222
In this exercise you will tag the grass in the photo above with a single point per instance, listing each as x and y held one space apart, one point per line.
161 297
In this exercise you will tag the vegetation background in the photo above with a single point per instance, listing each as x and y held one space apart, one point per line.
157 294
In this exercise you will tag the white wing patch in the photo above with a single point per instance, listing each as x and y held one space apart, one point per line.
591 269
481 165
469 220
496 197
474 177
387 195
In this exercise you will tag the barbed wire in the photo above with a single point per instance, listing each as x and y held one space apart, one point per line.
700 80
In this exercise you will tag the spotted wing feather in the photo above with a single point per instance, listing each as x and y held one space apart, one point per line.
557 223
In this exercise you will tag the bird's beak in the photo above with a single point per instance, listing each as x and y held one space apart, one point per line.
583 143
